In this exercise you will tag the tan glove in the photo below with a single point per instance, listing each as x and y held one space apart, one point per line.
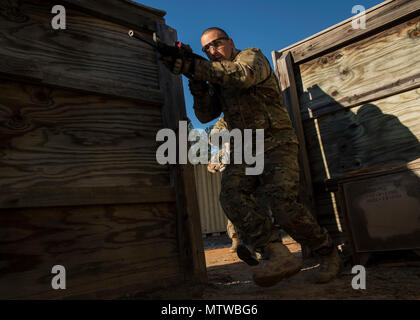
216 163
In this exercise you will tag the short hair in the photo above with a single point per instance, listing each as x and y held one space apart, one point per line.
215 29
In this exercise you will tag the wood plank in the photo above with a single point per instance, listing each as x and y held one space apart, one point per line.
84 56
372 172
182 176
127 13
285 73
343 33
54 197
376 67
382 132
64 139
101 247
20 68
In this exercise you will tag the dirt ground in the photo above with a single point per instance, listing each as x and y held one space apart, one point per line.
230 278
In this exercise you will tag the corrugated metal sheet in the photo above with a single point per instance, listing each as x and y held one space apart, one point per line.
212 217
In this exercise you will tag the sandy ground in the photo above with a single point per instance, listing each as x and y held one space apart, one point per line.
229 278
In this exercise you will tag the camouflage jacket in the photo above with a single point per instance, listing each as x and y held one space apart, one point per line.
246 90
219 126
219 159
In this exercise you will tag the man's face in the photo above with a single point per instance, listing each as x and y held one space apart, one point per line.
218 49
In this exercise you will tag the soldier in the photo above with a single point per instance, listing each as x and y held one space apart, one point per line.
242 85
218 164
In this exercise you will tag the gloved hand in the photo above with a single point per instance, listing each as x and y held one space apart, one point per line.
198 88
181 61
217 162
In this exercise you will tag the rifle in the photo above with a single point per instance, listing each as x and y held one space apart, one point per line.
178 50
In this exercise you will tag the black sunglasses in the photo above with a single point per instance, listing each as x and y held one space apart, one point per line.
215 43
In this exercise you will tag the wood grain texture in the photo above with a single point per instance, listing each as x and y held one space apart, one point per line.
58 138
54 197
382 132
343 33
90 54
190 240
126 13
102 248
379 66
285 74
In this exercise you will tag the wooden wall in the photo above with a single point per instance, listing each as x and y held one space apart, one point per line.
80 184
357 99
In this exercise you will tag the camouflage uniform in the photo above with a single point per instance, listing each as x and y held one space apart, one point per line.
246 90
218 166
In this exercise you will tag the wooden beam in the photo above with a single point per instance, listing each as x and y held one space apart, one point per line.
372 172
58 197
285 73
343 33
125 13
182 176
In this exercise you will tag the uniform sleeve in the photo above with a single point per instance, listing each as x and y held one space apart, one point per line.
220 126
249 68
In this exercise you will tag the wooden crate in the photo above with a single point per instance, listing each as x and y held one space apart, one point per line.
354 99
80 184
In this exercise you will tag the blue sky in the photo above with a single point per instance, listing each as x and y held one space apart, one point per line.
265 24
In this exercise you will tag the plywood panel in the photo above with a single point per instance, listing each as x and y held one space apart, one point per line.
378 66
101 247
338 35
59 138
382 132
90 54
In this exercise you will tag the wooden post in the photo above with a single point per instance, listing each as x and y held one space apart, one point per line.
182 176
284 70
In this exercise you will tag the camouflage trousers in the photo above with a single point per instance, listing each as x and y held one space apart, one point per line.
246 200
231 231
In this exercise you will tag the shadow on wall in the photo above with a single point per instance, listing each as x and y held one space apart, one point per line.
341 140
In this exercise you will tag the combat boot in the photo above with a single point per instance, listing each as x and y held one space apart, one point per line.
246 254
281 263
235 243
330 266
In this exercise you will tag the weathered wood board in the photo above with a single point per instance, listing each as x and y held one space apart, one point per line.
123 12
381 132
381 65
58 138
80 185
376 19
359 99
90 54
105 250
